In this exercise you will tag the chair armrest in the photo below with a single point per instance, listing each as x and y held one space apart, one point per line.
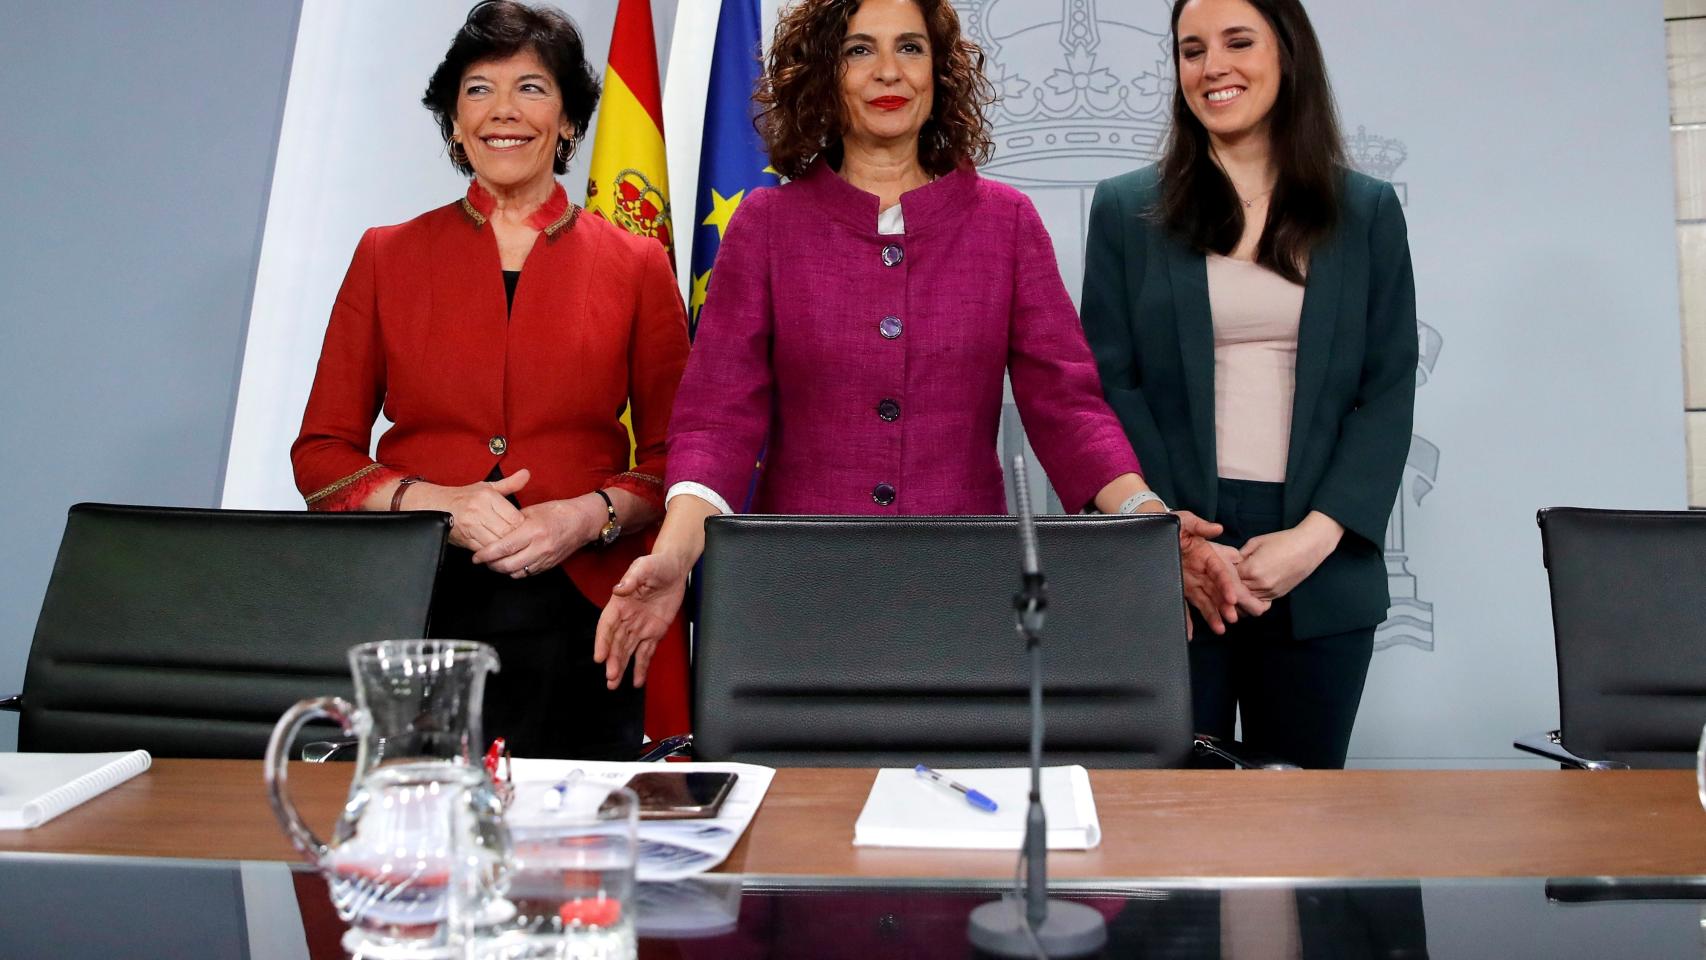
14 703
1551 746
667 747
1239 755
1624 889
321 751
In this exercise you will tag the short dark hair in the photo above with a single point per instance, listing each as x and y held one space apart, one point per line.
1199 203
799 96
496 29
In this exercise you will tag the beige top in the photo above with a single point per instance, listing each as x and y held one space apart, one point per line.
1256 313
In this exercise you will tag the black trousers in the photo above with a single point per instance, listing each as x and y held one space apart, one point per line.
1298 696
548 699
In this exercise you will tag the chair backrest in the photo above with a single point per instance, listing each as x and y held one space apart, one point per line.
864 641
188 632
1629 620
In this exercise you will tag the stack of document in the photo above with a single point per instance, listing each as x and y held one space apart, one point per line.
907 810
36 787
669 849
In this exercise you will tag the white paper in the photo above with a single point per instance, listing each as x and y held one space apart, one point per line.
906 810
36 787
669 849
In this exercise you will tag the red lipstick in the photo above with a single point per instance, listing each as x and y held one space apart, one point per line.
889 103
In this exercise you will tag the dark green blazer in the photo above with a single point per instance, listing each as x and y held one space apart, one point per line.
1146 314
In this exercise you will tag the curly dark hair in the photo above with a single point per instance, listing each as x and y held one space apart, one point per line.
496 29
799 96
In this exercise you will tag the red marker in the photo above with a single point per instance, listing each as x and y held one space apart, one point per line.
590 912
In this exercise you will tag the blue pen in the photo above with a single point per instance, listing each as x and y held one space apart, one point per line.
974 798
560 791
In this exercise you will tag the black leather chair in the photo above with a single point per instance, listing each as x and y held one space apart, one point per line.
859 641
188 632
1629 621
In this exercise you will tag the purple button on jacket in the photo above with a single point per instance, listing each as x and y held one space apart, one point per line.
872 365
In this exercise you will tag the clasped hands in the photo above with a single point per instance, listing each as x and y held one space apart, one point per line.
515 541
1266 568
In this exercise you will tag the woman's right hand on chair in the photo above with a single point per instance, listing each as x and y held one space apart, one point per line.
642 606
479 514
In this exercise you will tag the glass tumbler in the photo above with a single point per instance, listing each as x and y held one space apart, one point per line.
571 884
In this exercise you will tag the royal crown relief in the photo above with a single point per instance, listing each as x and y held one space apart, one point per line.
640 207
1085 89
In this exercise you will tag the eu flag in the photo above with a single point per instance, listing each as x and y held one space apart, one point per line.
732 159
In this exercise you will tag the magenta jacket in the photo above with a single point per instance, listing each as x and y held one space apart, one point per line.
872 365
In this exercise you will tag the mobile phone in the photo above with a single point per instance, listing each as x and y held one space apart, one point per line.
668 795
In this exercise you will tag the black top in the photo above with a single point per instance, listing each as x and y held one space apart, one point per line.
511 277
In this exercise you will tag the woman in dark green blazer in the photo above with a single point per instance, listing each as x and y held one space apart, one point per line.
1251 306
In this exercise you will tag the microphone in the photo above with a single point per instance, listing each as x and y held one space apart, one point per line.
1029 924
1028 564
1032 599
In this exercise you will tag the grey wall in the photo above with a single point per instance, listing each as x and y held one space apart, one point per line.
139 145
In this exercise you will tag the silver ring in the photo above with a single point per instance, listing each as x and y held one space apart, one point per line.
527 570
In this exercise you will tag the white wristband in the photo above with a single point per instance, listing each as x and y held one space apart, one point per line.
698 490
1136 500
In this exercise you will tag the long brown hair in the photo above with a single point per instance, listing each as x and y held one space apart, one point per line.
799 96
1198 201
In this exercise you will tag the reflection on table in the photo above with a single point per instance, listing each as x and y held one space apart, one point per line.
80 908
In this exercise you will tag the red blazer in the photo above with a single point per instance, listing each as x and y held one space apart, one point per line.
419 330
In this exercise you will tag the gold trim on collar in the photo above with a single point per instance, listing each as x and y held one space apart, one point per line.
337 485
473 214
644 478
564 222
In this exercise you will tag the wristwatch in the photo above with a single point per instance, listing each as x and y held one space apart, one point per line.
612 529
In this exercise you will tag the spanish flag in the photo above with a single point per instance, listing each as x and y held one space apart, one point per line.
629 186
629 181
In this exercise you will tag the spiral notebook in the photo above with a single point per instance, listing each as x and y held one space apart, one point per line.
36 787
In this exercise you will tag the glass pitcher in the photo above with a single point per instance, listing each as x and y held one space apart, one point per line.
420 849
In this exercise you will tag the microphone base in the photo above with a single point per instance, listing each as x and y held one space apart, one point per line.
1069 929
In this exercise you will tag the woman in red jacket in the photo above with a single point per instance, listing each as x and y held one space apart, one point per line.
503 335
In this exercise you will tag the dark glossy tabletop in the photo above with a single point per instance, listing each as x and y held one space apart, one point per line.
78 907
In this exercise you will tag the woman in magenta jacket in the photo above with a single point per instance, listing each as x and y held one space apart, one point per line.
862 317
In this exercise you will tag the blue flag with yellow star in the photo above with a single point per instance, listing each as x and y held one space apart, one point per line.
732 158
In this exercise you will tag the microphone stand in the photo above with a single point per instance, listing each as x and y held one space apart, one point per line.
1038 927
